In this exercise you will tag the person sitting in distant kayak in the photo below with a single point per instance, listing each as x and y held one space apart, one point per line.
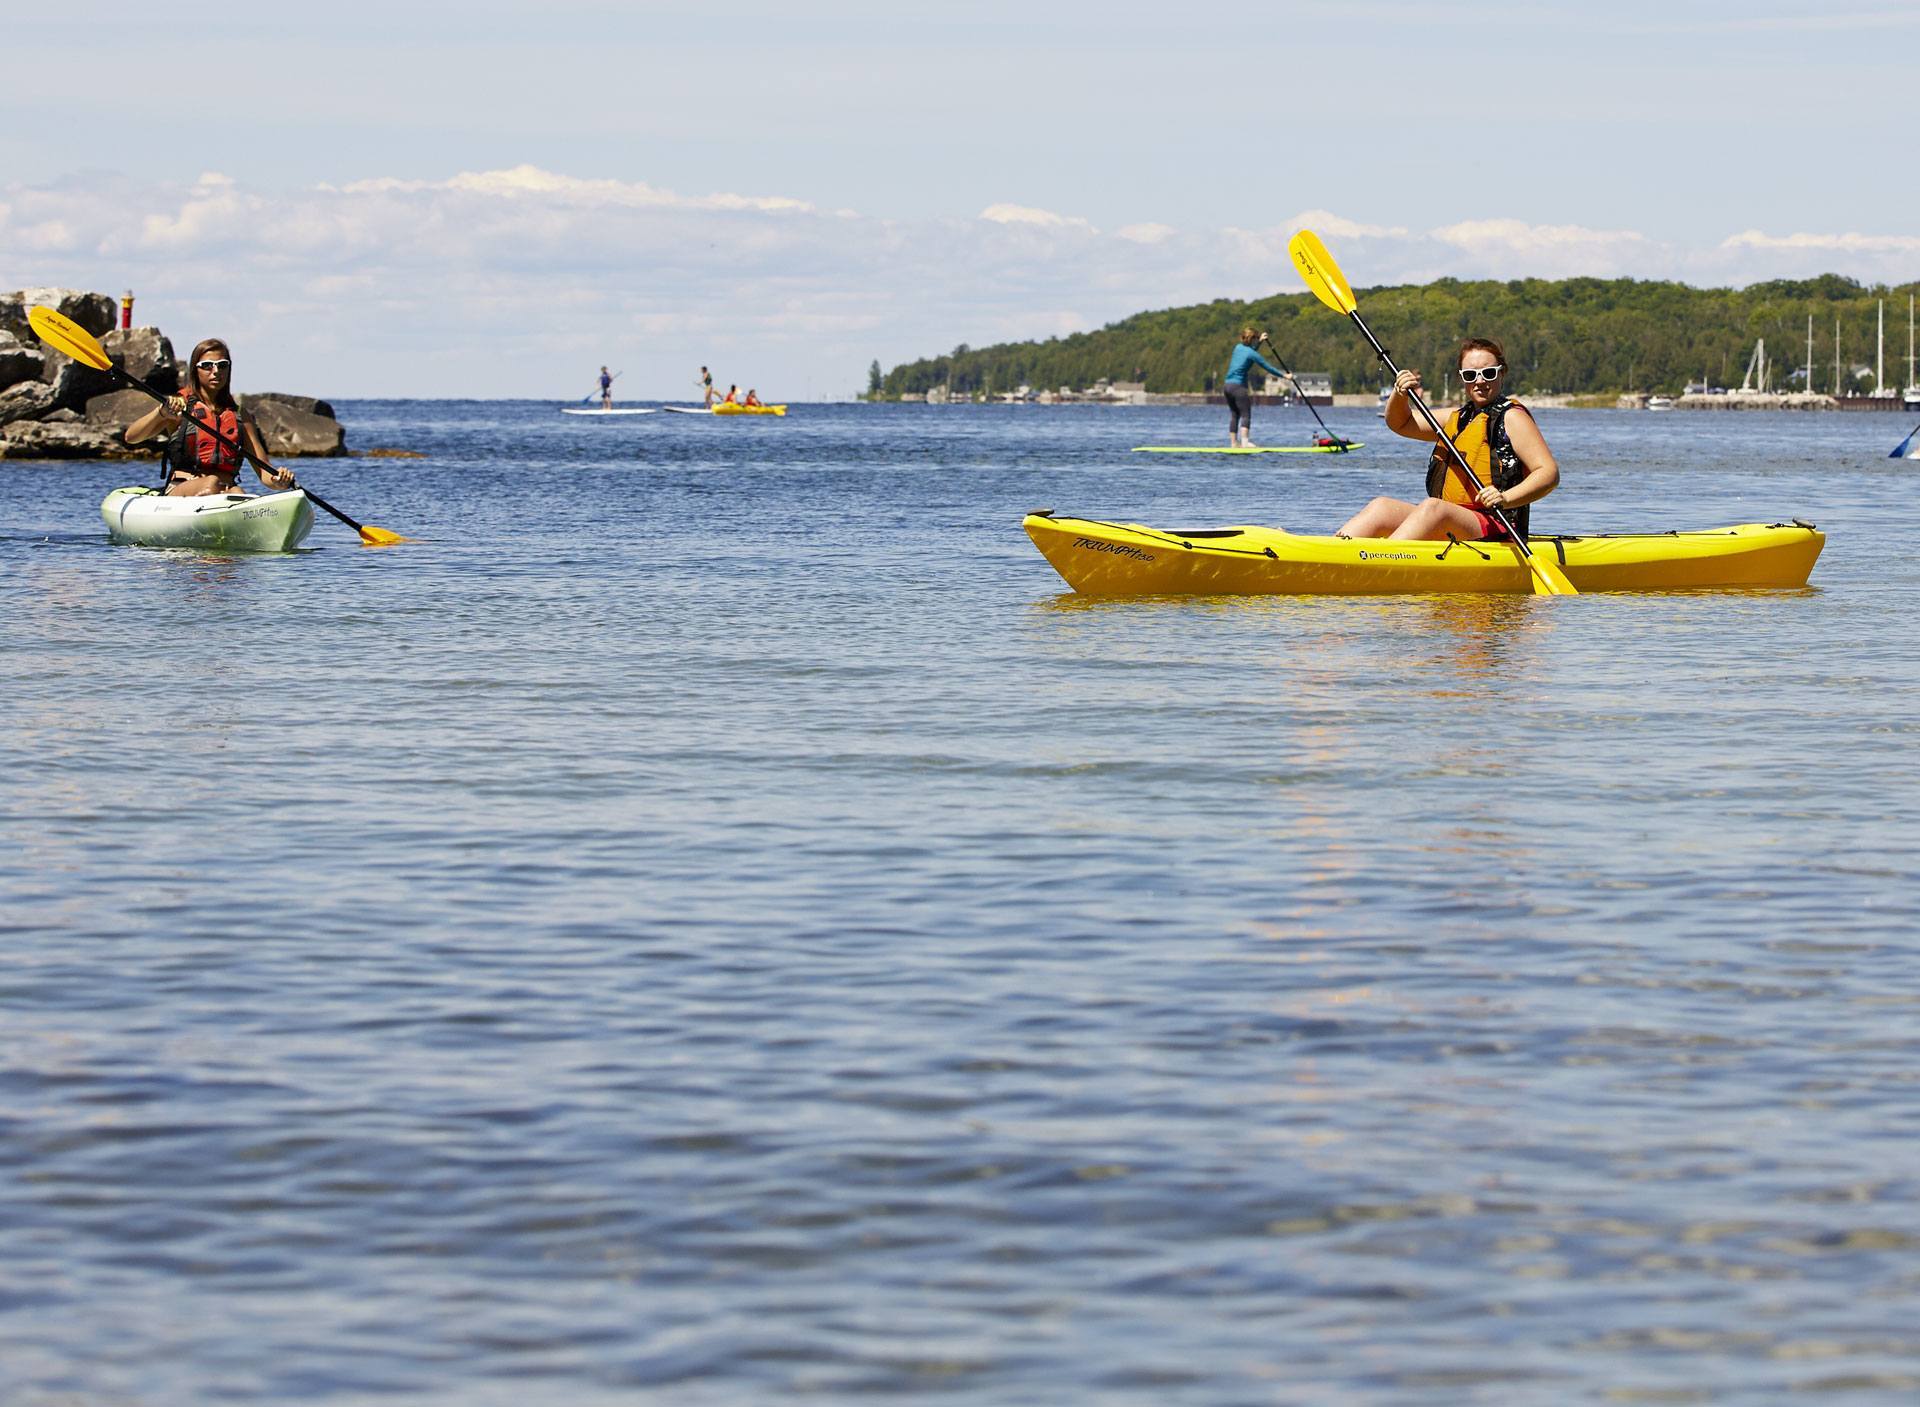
197 460
1498 437
706 387
753 397
733 396
1239 398
606 390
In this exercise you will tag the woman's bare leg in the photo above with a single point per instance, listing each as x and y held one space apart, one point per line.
1378 519
1435 519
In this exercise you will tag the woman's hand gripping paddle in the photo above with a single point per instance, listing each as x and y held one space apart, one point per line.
63 334
1330 286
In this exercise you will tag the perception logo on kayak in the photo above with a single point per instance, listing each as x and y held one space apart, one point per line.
1120 547
1386 556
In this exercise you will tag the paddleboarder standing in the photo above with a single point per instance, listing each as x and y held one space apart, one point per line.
1239 398
606 390
706 387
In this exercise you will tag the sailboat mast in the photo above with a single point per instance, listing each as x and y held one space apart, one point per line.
1809 387
1880 354
1836 356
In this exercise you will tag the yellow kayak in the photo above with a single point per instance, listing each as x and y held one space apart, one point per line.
1130 559
725 409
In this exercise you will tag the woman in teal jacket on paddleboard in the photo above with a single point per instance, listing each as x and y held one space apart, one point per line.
1239 398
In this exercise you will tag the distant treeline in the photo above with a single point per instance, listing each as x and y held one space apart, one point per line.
1568 335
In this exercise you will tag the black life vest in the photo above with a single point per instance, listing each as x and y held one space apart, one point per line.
1481 437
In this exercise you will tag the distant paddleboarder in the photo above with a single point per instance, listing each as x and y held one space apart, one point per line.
606 390
1239 398
705 384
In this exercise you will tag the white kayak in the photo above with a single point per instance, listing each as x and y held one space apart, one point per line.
221 522
621 410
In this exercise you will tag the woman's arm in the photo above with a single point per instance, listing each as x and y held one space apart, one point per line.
257 452
1401 416
164 417
1543 473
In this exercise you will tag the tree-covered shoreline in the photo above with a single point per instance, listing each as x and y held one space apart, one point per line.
1581 335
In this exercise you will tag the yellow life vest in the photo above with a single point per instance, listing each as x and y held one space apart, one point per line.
1481 437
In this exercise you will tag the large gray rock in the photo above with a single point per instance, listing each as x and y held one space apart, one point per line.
35 439
26 401
118 409
74 383
303 403
145 355
294 433
19 361
96 312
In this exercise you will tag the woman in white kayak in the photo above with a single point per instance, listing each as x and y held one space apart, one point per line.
196 461
1498 437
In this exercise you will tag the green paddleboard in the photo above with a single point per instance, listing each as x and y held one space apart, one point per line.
1257 449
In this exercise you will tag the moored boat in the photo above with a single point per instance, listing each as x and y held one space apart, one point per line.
1131 559
221 522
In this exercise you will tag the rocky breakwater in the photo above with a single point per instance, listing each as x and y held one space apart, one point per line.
52 407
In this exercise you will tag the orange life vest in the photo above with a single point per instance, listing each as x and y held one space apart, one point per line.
201 452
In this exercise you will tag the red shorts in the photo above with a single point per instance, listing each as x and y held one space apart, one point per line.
1491 529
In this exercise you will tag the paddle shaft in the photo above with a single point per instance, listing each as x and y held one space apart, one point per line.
1386 359
1301 389
236 447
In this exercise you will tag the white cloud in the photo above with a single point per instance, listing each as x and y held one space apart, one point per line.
499 282
1325 223
1830 243
1027 215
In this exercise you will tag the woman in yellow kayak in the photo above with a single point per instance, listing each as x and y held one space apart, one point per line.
198 460
753 397
1498 437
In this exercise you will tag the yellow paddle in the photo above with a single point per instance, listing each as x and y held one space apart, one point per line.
1330 286
63 334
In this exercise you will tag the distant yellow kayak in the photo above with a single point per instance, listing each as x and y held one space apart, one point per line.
725 409
1130 559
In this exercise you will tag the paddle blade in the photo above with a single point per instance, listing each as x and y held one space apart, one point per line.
63 334
1548 579
380 537
1322 275
1900 450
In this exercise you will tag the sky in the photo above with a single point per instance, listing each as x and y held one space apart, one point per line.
494 198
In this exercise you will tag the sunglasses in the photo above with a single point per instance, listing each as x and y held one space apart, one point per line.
211 365
1468 374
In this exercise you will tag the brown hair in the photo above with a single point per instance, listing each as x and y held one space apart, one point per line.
1480 344
190 378
1250 335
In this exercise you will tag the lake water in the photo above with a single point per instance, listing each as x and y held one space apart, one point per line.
714 921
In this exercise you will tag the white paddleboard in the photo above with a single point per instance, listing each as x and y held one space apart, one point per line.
688 409
575 410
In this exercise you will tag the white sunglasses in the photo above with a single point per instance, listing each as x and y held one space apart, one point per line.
1471 374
